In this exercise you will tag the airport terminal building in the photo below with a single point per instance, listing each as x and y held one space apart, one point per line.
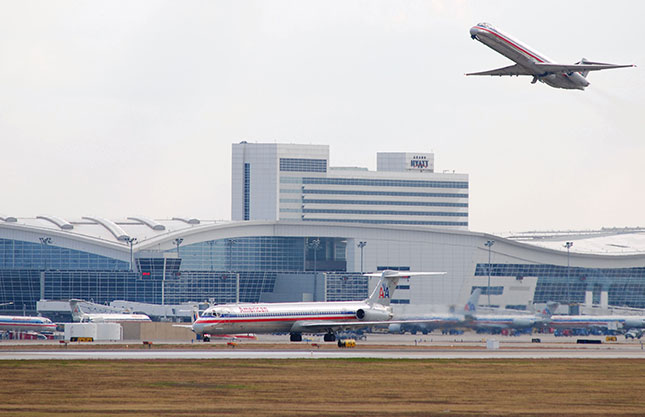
304 231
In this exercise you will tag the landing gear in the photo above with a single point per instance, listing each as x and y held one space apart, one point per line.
296 337
329 337
206 338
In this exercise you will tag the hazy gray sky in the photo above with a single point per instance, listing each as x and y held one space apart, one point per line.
123 108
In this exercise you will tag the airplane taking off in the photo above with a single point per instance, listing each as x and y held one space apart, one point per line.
26 323
79 315
532 63
305 317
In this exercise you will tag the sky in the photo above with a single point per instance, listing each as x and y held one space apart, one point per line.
125 108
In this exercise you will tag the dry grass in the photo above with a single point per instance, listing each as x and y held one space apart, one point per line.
323 387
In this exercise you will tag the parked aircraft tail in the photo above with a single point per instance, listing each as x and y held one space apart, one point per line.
471 305
386 286
550 308
77 311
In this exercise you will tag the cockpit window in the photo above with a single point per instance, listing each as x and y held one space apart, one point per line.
484 25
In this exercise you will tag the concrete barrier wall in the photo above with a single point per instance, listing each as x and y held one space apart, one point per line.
156 332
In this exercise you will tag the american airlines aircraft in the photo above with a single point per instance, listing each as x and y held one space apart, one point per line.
507 320
599 322
532 63
426 323
25 323
306 317
79 315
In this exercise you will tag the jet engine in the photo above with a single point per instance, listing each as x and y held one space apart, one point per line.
370 314
634 322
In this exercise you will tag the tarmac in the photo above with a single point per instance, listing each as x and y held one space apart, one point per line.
375 346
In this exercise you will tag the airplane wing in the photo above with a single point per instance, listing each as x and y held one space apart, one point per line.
322 326
586 66
510 70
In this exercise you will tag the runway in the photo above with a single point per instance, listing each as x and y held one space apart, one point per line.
177 354
374 347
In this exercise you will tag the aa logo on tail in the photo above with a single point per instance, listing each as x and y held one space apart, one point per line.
384 292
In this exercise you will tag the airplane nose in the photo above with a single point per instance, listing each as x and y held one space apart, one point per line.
474 31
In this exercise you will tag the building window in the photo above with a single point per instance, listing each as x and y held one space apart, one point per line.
247 191
497 290
303 165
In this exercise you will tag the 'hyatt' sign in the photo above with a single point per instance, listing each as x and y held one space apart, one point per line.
419 162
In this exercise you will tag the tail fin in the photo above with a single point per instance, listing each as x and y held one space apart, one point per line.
471 305
195 314
550 308
77 312
386 286
584 61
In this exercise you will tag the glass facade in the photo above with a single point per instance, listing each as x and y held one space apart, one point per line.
383 183
403 222
303 165
382 203
16 254
625 286
208 270
201 271
346 287
380 193
247 192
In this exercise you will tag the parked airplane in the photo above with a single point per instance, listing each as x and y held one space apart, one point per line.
304 317
505 320
79 315
426 323
532 63
597 322
26 323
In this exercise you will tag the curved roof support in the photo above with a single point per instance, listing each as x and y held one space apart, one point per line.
149 222
191 220
63 224
8 219
112 227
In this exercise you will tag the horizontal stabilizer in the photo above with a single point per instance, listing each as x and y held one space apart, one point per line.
586 66
511 70
400 274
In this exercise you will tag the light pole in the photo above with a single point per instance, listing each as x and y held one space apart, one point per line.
211 243
44 241
178 242
361 245
131 241
489 244
568 246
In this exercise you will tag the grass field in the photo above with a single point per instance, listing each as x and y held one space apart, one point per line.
323 388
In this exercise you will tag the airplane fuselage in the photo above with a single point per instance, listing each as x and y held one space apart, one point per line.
113 318
24 323
285 317
526 57
504 321
604 322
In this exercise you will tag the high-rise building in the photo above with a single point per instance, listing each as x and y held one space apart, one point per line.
296 182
